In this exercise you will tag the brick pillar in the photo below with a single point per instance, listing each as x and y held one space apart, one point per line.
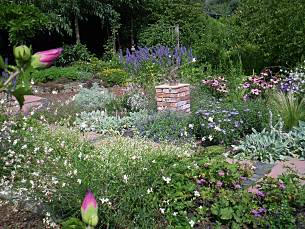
174 98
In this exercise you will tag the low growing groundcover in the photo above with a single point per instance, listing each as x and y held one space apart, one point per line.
139 184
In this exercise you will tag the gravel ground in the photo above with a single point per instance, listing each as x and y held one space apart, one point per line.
12 216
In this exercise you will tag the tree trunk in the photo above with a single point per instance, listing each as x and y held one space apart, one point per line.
76 24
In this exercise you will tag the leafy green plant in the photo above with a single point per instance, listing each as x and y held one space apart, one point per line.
219 122
93 98
166 126
149 74
55 73
22 21
290 108
74 53
114 76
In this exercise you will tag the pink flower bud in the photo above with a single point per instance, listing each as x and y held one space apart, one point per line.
45 58
89 209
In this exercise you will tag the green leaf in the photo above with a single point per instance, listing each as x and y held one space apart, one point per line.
226 213
2 64
73 223
19 94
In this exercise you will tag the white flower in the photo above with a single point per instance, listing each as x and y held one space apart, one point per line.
79 181
150 190
196 193
32 81
210 137
235 148
104 200
162 210
194 59
175 213
191 126
75 171
83 125
217 128
54 92
63 184
166 179
125 178
210 119
203 139
192 223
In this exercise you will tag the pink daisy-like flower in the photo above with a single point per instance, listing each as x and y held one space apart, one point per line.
246 85
255 91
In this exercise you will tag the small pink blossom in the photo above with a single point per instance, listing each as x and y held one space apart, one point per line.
219 184
255 91
221 173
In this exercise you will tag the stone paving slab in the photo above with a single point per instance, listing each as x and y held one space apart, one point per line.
31 102
272 170
282 167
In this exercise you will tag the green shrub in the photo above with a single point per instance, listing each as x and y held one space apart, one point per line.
73 53
55 73
166 126
96 65
149 74
218 122
258 20
192 73
93 99
113 76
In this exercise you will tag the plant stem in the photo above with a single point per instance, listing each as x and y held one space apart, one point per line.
12 76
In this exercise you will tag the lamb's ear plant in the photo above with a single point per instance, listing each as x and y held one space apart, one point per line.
290 108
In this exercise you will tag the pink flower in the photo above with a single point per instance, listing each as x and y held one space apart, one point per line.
89 209
215 83
257 81
246 97
255 91
274 80
221 173
45 58
282 186
219 184
264 85
246 85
